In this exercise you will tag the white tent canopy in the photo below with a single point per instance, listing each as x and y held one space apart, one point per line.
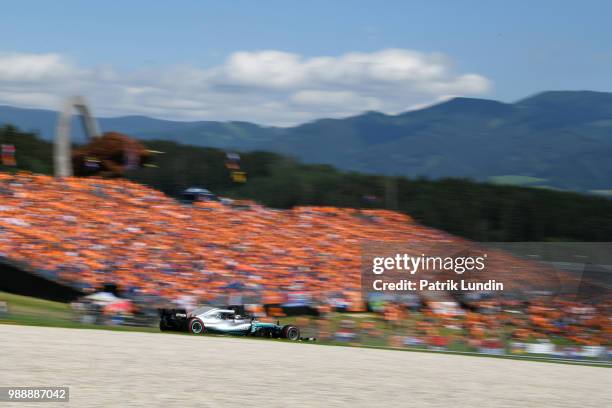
102 297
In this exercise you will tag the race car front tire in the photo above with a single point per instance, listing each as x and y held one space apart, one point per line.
196 326
291 333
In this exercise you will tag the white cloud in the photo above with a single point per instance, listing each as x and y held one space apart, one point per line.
33 67
269 87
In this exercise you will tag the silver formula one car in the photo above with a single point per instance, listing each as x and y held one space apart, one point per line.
208 319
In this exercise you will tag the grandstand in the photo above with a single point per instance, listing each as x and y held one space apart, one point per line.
85 232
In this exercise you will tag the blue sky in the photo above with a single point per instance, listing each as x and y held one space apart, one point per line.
126 57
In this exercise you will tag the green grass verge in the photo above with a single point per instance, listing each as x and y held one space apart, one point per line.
30 311
514 180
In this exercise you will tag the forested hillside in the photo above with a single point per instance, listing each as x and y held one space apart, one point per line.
560 139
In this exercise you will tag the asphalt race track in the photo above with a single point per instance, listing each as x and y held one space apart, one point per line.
108 368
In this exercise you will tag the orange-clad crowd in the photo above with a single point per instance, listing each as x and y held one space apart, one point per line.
541 325
94 231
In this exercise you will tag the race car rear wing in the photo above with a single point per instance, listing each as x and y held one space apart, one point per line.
173 319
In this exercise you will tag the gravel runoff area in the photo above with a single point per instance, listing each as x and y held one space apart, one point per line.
124 369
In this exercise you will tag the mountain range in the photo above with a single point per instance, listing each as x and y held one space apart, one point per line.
555 139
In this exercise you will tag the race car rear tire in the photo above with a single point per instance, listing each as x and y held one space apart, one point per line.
163 326
196 326
291 333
